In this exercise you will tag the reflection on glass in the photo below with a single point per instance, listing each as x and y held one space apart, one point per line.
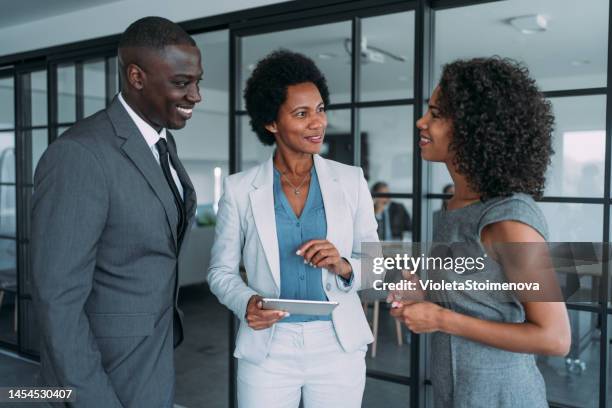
7 103
387 56
8 288
573 222
386 146
39 97
40 138
380 393
579 143
94 93
338 142
574 380
325 44
66 93
568 49
7 157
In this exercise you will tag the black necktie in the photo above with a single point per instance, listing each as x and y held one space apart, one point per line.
164 159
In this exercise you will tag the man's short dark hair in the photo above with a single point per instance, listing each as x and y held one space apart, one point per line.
266 89
155 33
379 185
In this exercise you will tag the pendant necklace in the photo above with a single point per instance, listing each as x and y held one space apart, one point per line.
296 190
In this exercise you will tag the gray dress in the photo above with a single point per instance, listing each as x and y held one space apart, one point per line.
470 374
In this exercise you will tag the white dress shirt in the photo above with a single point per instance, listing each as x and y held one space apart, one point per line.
151 137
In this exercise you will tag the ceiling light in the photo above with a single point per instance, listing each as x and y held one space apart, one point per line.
326 55
580 62
529 24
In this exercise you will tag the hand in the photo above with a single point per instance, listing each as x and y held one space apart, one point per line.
419 317
321 253
259 318
408 294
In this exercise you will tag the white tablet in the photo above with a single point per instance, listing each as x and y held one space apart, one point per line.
303 307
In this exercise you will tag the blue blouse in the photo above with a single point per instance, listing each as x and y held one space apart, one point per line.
299 280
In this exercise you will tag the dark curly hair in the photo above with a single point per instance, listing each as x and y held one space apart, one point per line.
266 89
502 125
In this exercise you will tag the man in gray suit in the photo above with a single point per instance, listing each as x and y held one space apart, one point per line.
112 204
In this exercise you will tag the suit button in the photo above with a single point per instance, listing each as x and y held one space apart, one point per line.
328 286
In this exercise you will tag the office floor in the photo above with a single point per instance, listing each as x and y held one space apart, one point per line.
202 362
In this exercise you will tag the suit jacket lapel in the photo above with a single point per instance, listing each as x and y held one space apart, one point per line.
137 150
262 205
333 200
190 194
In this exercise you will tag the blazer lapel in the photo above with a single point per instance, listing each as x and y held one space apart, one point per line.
333 200
262 205
136 149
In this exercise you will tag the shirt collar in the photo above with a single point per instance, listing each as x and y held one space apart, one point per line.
151 136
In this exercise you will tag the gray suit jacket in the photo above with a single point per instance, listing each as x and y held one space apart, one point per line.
105 256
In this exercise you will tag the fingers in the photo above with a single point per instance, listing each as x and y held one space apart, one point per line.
306 245
258 318
325 257
265 318
319 253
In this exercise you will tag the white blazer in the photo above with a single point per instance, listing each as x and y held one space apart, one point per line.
246 227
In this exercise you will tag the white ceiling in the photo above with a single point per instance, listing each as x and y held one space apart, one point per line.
24 11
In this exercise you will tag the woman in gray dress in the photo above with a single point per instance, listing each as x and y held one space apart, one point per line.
490 125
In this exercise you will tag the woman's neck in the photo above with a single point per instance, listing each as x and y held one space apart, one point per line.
464 195
292 163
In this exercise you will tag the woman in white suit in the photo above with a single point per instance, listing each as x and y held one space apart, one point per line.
297 221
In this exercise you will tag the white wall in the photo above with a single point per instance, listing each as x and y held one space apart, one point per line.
110 19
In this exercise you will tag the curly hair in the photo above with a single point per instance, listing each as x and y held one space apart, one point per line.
501 126
266 89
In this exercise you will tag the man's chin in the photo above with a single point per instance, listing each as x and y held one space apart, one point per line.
176 125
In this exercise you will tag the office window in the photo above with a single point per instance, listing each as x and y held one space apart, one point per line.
7 157
573 222
562 42
253 151
7 111
579 142
386 56
93 87
38 98
338 143
325 44
573 381
40 139
66 93
386 146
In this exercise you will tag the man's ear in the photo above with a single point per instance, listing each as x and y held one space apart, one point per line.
136 76
271 127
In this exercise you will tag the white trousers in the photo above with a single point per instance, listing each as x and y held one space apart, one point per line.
305 360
